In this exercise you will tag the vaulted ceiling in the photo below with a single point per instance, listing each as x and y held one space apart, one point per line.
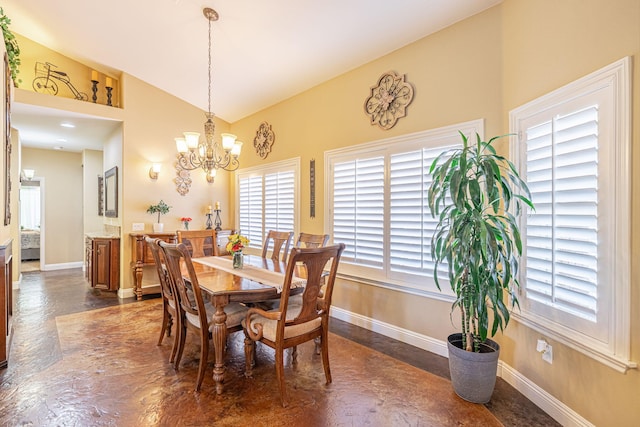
262 51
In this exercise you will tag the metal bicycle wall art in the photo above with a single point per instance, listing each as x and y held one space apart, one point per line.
46 78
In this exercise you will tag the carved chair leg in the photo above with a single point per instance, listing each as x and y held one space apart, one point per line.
169 324
176 344
249 356
165 324
325 356
280 376
182 335
204 355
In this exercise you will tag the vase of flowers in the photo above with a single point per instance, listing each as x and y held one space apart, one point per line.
235 245
185 221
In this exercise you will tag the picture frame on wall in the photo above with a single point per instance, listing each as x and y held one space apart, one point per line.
7 142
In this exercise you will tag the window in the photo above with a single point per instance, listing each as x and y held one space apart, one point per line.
572 148
377 206
268 200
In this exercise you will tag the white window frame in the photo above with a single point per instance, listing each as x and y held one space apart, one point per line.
289 164
443 137
612 348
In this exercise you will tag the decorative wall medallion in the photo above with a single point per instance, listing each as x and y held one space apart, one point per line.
264 140
183 180
389 100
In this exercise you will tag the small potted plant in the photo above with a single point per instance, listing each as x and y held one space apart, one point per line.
161 209
235 245
477 196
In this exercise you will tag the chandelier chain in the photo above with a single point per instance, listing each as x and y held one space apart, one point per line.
209 88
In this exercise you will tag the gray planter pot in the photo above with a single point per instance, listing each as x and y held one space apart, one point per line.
473 375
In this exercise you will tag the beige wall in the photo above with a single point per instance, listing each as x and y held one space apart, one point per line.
152 119
91 170
61 174
547 44
479 68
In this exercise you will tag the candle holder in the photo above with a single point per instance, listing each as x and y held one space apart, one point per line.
94 89
109 89
218 220
209 222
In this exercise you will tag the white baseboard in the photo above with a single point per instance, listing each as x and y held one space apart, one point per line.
125 293
62 266
417 340
541 398
552 406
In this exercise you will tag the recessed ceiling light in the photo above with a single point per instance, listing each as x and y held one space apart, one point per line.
61 140
67 125
57 148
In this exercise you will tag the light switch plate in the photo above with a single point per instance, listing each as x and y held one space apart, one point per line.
137 226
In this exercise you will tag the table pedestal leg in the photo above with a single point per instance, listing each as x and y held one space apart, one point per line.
219 334
137 280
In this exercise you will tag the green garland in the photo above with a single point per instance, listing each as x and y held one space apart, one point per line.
13 50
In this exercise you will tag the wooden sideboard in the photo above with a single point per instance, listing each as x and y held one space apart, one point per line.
141 256
6 301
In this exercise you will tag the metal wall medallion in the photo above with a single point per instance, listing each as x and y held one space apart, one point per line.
264 140
389 100
183 180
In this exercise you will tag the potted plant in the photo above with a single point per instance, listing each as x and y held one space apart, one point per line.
161 209
11 44
477 195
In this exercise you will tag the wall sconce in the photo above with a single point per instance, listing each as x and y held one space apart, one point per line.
154 170
28 174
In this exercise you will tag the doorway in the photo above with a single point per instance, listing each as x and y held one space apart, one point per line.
31 224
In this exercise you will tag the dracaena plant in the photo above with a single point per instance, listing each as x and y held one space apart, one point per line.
477 195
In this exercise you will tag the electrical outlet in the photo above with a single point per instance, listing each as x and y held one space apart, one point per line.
137 226
547 354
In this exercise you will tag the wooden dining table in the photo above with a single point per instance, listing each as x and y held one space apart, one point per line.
260 279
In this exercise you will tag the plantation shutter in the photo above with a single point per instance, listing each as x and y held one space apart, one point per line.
411 223
250 209
279 201
562 233
358 210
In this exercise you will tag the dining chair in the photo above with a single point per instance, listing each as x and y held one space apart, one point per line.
195 314
288 326
169 304
222 240
200 243
280 242
307 240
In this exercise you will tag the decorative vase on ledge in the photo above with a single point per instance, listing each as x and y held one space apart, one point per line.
238 262
186 225
158 227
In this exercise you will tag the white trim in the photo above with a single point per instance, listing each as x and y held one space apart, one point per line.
400 334
616 79
541 398
126 293
62 266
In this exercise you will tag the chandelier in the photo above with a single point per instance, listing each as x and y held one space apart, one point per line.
209 154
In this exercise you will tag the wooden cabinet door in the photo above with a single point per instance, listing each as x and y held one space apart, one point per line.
101 264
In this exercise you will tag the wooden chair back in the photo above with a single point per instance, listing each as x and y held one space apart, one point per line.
171 311
278 242
200 243
223 239
191 303
286 326
306 240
